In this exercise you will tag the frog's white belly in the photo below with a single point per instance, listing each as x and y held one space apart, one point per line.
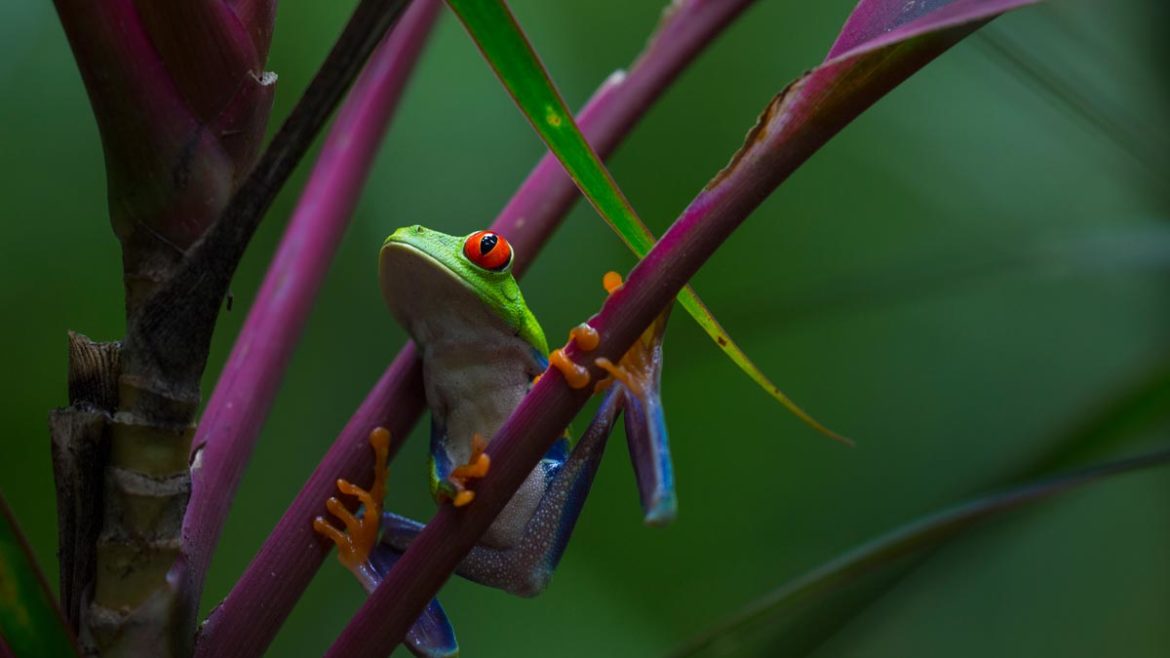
476 367
474 376
473 388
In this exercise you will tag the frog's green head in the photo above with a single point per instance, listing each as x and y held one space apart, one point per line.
430 278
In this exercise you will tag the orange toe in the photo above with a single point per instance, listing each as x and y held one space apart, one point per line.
355 544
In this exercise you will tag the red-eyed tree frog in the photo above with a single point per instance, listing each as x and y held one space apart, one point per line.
482 349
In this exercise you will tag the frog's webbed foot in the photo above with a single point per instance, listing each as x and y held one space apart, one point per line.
356 542
477 466
636 378
358 549
639 375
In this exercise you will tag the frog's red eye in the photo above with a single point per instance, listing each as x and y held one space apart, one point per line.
488 250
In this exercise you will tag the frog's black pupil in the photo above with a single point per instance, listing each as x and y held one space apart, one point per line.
487 243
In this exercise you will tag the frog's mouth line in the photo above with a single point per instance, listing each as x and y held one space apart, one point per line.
498 299
431 260
435 262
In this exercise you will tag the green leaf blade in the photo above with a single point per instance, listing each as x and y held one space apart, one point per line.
30 623
695 307
778 614
511 56
503 44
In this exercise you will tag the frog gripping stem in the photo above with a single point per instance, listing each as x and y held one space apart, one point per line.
431 636
476 467
638 375
357 542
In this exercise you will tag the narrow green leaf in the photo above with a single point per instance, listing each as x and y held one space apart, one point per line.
797 624
30 624
771 613
491 24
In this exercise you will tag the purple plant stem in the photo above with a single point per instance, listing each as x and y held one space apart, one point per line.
797 123
246 621
250 616
252 376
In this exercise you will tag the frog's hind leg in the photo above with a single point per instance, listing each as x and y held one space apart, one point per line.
525 568
431 635
639 375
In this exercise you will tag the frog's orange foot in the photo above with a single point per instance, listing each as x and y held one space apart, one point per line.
632 379
576 376
478 464
638 369
477 467
357 541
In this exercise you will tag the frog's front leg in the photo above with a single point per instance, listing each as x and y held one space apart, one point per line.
358 549
454 485
526 567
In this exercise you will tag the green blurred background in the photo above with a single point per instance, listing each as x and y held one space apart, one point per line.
958 281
